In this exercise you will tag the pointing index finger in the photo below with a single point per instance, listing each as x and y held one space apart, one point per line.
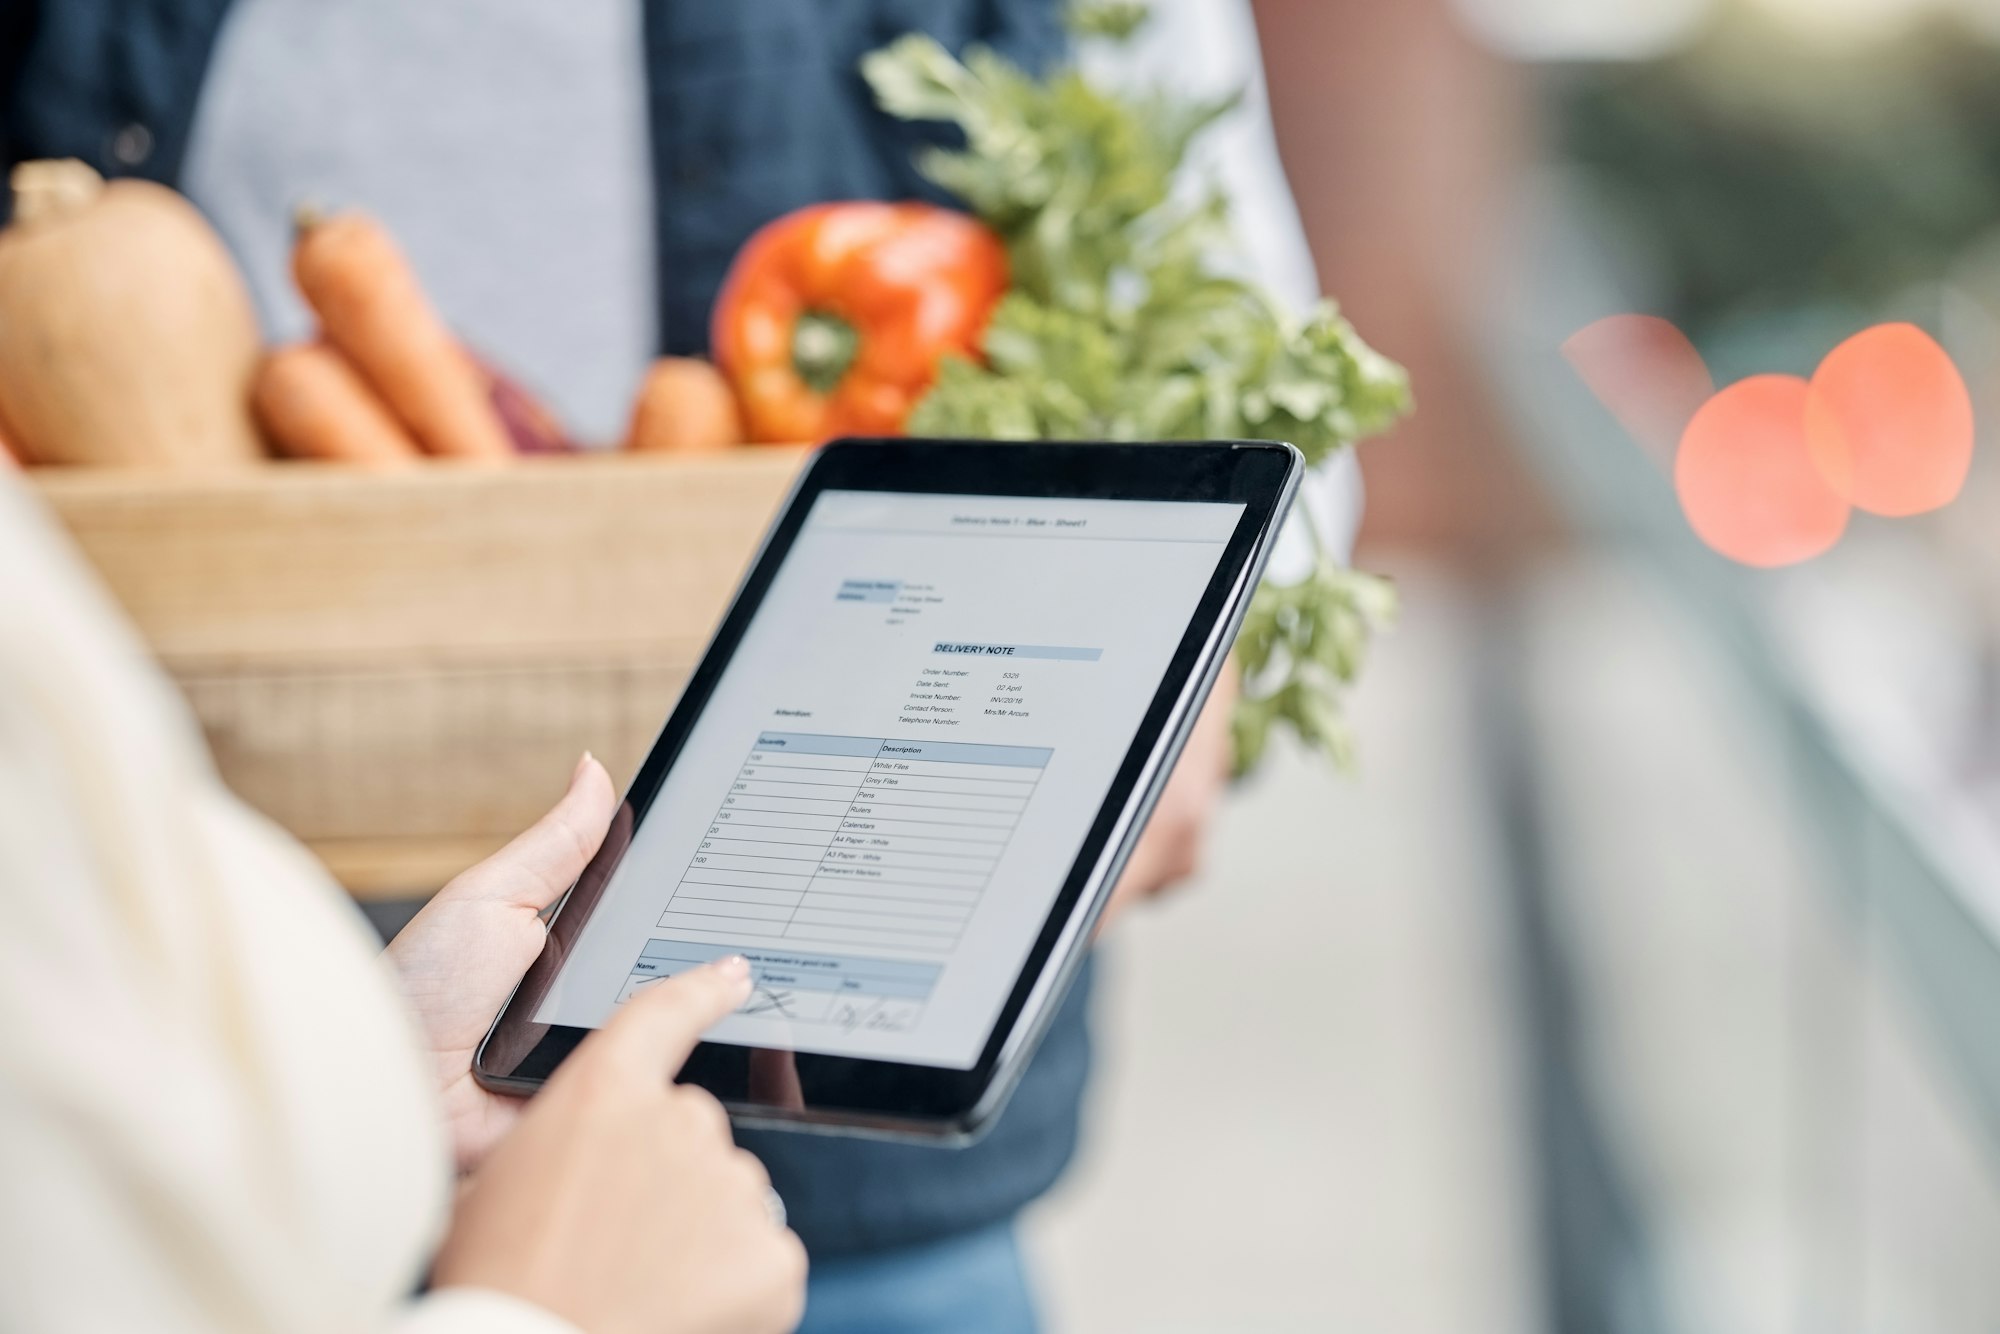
659 1027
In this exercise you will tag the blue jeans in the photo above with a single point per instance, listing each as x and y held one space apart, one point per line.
973 1284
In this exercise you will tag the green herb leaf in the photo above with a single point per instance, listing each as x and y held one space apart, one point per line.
1115 19
1122 325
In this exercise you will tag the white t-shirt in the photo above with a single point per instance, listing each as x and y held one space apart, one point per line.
503 142
1208 48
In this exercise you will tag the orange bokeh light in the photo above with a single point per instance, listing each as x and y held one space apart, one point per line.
1889 421
1646 372
1747 479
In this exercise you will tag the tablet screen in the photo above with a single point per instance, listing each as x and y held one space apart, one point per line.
896 771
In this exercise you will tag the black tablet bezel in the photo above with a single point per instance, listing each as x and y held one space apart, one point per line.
887 1096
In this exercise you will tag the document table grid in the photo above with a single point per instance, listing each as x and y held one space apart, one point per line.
880 995
854 841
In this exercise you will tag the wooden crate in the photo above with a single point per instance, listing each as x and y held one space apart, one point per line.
402 668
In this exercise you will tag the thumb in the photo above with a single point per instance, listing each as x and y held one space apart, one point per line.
544 860
659 1026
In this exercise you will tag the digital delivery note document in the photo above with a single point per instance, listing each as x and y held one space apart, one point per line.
897 770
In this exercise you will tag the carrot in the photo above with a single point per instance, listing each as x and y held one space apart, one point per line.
372 308
314 405
684 406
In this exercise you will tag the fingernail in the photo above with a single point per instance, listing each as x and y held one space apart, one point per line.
583 762
734 965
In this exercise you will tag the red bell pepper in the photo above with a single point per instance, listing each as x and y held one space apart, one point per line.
833 319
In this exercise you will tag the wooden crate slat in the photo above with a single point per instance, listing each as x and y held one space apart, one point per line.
402 668
319 562
429 752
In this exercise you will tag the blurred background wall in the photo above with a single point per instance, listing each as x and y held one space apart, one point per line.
1645 978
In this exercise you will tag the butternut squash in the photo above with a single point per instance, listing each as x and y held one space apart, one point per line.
126 332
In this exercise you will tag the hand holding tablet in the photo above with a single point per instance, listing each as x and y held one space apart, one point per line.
907 772
588 1211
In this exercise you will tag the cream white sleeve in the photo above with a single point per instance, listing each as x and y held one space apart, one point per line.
479 1311
213 1115
144 1188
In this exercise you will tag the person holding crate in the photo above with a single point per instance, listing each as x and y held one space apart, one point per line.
572 182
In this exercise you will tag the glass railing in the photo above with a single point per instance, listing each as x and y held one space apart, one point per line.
1759 884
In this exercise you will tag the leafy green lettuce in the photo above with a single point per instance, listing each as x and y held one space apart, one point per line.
1122 324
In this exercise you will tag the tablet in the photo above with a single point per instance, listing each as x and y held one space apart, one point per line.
908 770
